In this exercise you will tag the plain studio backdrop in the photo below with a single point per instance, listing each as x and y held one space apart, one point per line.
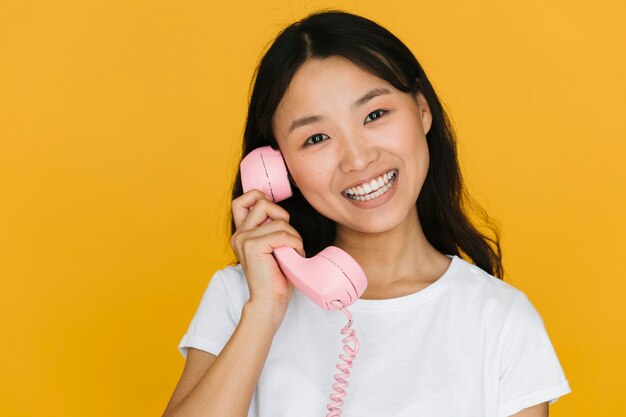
120 129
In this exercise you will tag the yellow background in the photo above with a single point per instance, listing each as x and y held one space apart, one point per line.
120 125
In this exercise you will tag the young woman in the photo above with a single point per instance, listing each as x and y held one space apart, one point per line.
439 332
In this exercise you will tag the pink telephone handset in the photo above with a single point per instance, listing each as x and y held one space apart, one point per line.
332 274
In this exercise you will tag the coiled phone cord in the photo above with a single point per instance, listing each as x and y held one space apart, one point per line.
334 407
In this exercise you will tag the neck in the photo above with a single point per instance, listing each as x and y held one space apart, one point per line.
399 254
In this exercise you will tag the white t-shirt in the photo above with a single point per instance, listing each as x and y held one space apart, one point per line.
468 345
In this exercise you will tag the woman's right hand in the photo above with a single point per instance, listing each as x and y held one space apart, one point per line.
254 242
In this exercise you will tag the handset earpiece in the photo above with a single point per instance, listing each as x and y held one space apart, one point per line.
332 274
264 169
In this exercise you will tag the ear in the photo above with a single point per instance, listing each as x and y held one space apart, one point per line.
424 108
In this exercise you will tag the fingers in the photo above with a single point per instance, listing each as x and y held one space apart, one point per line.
253 235
264 239
253 208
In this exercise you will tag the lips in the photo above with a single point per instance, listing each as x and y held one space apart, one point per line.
371 185
374 194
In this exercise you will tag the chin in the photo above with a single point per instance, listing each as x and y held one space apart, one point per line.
375 226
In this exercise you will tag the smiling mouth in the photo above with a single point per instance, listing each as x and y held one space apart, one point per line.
373 189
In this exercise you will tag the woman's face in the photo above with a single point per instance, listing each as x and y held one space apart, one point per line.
354 137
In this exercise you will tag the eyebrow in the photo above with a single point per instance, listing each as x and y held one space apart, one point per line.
306 120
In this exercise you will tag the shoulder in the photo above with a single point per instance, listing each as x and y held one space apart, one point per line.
227 291
231 271
232 280
479 288
476 280
499 308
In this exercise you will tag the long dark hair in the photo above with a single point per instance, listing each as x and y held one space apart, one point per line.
442 202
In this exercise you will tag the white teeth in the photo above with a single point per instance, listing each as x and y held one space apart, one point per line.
372 189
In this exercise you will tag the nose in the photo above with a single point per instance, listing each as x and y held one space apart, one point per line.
357 154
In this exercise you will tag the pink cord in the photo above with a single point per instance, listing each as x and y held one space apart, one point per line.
334 407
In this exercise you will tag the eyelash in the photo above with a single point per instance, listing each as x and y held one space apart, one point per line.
375 111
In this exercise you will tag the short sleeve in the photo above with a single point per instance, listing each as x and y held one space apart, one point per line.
215 319
530 371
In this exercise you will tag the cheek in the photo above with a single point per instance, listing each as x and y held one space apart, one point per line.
403 133
410 144
421 156
421 148
314 183
311 174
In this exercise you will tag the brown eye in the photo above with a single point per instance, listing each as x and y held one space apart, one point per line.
314 139
377 114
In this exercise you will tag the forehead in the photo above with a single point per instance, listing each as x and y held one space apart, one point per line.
316 78
318 83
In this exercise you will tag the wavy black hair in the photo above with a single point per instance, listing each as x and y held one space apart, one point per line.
443 200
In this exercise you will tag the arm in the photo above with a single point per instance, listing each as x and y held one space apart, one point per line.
226 388
539 410
228 383
197 363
